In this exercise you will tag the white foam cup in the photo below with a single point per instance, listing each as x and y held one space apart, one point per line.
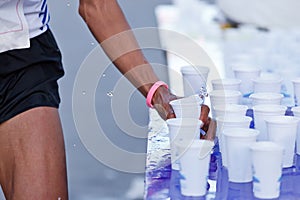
182 128
230 110
296 88
194 78
238 142
283 130
266 98
225 123
296 112
226 84
246 74
221 97
267 169
267 84
194 166
260 112
188 107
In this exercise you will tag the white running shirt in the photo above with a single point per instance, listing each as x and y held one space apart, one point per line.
37 16
21 20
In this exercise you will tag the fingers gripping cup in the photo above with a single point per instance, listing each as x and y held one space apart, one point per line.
194 166
194 79
238 142
267 169
282 130
188 107
179 129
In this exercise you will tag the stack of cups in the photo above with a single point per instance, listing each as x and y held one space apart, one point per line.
186 123
238 142
267 169
189 154
194 79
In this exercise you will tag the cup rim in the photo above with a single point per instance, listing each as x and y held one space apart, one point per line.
191 121
224 93
281 119
246 69
227 81
266 95
184 101
239 119
266 146
229 132
266 80
230 107
194 69
268 108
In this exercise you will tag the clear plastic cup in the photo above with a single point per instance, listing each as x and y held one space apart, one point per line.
238 142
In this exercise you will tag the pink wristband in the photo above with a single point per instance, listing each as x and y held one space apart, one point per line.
152 91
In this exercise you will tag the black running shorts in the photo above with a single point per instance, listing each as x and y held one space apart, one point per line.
28 77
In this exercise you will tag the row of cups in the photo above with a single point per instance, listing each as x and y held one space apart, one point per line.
256 155
249 81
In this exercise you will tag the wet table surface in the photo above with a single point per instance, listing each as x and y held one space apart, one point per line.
161 182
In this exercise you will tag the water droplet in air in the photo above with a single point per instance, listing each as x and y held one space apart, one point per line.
110 94
103 75
92 43
84 92
59 198
74 145
68 4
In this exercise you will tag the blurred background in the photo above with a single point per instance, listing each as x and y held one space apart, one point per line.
264 34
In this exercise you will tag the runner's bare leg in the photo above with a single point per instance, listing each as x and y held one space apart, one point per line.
32 156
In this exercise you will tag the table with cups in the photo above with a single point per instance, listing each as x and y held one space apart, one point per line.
256 152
